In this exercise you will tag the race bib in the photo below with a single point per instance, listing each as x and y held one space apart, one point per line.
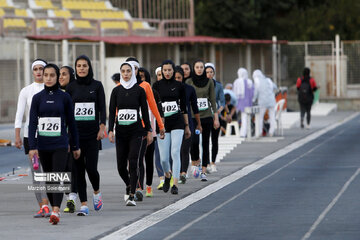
84 111
170 108
49 127
127 116
202 104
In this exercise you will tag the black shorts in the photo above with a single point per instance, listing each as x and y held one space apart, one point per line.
26 145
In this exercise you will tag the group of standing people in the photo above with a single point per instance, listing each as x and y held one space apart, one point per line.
66 119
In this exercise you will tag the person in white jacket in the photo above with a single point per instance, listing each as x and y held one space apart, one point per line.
23 106
265 95
244 91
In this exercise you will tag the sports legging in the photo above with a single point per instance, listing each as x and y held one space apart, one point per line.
70 167
215 143
305 108
158 166
171 145
185 150
88 161
54 161
144 156
42 194
206 124
128 149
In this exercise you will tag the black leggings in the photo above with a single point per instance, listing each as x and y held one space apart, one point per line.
88 161
206 124
305 108
184 154
70 167
128 149
143 153
54 161
215 143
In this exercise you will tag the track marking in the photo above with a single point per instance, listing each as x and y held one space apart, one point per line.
330 206
158 216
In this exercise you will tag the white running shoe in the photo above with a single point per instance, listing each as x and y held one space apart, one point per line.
213 168
130 201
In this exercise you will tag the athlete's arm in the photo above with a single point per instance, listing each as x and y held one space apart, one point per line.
18 118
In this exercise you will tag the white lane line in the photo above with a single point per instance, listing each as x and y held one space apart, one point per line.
330 206
158 216
248 188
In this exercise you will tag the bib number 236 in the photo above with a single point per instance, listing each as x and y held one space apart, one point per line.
84 111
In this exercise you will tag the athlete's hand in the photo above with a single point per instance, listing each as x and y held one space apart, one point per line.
77 153
149 138
187 132
18 142
100 134
198 127
33 153
111 137
216 123
162 133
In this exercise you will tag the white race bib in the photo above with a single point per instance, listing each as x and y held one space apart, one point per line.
202 103
127 116
84 111
170 108
49 127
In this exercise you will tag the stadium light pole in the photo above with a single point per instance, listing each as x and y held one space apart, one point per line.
274 59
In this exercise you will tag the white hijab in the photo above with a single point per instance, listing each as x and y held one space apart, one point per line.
241 83
129 84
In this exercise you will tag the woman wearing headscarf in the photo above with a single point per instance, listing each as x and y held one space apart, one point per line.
191 104
220 104
173 98
51 114
67 75
90 114
23 106
264 94
124 112
205 92
149 154
244 91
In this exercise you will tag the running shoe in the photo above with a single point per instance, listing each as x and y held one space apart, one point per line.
174 190
166 186
213 168
161 184
39 214
84 211
54 218
171 181
208 169
195 171
70 206
130 201
138 196
97 201
46 211
149 191
203 177
182 179
127 194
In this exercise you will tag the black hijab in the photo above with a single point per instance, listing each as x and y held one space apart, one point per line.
166 62
57 71
306 74
186 63
199 81
90 77
178 69
146 73
71 74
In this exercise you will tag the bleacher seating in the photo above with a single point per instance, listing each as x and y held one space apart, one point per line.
80 17
42 4
85 4
6 4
